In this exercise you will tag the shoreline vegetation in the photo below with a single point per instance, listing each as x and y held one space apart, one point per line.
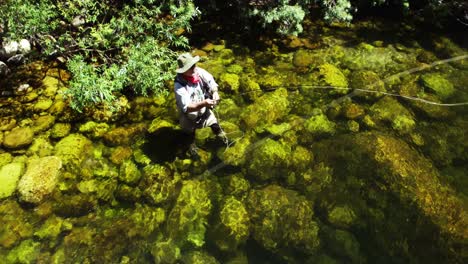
93 166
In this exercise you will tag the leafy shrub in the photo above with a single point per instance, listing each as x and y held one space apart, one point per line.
108 45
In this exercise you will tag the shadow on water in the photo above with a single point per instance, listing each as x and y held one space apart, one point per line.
165 144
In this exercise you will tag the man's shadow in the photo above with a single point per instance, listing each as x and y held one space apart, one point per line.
165 144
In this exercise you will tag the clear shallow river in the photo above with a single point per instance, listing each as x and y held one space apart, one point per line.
330 164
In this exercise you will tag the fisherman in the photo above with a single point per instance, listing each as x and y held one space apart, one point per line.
196 94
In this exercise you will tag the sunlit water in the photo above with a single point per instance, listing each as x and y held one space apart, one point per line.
327 162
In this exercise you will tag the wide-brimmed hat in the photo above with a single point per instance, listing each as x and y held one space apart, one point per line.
185 61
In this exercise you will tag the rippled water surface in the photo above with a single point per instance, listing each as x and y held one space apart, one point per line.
348 145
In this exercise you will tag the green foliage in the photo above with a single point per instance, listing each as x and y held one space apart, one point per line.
89 86
109 45
288 18
149 66
23 18
337 10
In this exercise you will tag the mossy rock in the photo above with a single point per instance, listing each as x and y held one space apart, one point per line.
342 216
303 58
50 86
94 129
353 111
330 75
319 125
378 59
344 244
234 69
166 252
225 56
7 123
15 224
268 161
268 109
19 137
9 177
120 154
232 229
5 158
391 111
129 172
40 147
236 155
73 149
26 252
250 89
229 82
60 130
52 228
42 104
367 80
282 220
157 183
216 68
438 84
124 135
40 179
158 123
198 257
43 123
408 176
188 220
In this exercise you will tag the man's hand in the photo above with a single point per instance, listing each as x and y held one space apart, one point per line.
209 102
216 97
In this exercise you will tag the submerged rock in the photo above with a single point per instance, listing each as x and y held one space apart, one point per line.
406 174
40 179
188 219
389 110
438 84
268 109
282 221
18 138
367 80
232 228
343 244
43 123
341 216
73 149
268 161
166 252
9 177
199 257
124 135
330 75
60 130
319 125
26 252
15 224
230 82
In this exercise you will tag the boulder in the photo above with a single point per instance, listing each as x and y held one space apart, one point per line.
73 149
40 179
24 46
283 221
9 176
18 138
438 84
406 174
4 70
10 48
